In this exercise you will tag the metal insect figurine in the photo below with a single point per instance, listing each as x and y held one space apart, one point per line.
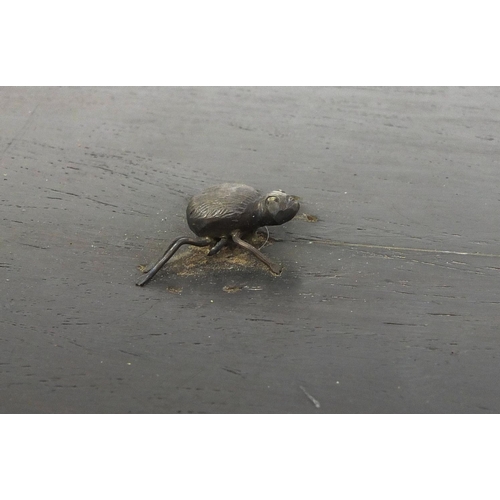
225 213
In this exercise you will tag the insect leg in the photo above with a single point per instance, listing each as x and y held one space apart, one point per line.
174 246
275 268
150 266
218 246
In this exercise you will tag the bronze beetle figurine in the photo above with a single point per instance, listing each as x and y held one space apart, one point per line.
225 213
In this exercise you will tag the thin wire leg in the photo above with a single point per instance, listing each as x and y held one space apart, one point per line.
150 266
218 246
174 246
275 268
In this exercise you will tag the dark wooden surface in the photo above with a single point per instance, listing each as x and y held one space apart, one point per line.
389 303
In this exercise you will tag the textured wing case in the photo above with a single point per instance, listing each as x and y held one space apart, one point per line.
218 210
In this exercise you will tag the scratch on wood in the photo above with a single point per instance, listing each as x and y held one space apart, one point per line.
403 249
314 401
21 131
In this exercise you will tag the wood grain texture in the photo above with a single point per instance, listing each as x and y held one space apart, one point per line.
388 303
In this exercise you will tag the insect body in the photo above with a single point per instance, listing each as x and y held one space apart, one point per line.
225 213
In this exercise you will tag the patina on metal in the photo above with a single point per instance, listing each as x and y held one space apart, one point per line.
226 213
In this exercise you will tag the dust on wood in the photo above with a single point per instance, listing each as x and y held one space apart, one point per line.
194 261
307 217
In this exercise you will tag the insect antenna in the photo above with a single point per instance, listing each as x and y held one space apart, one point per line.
267 238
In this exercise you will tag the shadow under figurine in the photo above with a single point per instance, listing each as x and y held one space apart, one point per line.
225 213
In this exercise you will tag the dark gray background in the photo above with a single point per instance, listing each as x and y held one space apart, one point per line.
389 303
